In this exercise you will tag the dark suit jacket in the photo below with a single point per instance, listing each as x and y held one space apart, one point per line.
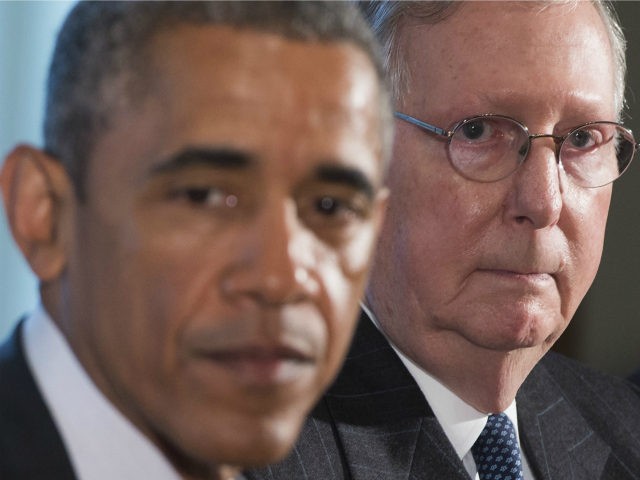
374 423
30 446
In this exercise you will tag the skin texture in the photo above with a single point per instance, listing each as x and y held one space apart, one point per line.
210 283
475 281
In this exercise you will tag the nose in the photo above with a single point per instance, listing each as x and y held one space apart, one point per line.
538 185
271 265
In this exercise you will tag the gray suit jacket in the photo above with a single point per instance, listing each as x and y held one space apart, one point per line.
374 423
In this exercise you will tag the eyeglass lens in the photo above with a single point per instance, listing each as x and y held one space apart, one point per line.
489 148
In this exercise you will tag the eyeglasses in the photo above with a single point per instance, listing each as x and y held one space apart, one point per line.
488 148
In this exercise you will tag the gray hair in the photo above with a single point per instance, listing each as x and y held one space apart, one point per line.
98 61
385 18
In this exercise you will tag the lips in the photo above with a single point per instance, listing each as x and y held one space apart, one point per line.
261 365
534 259
526 279
520 273
538 268
260 354
257 349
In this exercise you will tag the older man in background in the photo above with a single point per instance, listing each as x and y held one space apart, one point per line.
507 145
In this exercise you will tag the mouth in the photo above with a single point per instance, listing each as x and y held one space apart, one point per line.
262 366
520 275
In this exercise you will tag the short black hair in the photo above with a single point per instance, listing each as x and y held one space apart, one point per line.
99 54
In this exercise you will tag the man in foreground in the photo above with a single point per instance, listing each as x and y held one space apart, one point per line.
507 146
201 220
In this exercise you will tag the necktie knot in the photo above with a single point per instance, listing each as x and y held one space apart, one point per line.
496 451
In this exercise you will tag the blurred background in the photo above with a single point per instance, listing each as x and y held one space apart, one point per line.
27 31
605 332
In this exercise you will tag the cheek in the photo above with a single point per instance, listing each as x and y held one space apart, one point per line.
153 318
172 279
435 203
125 292
114 282
183 264
589 212
584 228
432 243
343 275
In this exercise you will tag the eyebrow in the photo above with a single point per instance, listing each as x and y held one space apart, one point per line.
350 177
220 158
230 159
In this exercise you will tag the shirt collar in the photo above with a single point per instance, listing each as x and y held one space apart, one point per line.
462 423
101 442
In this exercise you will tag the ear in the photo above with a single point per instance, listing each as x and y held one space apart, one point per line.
37 192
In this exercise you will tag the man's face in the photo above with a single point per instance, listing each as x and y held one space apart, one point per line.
472 275
216 266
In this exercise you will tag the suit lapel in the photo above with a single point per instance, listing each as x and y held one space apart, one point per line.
559 442
386 427
434 456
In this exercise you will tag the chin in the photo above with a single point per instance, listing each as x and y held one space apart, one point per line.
258 447
242 436
522 330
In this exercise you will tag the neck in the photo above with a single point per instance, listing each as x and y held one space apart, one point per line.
490 382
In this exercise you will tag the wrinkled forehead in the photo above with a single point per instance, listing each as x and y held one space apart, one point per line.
554 31
518 48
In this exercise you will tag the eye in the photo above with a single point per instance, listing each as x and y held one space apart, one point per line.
331 206
585 138
473 130
331 215
343 209
208 197
477 130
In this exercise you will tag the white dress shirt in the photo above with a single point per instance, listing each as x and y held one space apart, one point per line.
462 424
102 444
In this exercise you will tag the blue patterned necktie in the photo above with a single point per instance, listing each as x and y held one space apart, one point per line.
496 451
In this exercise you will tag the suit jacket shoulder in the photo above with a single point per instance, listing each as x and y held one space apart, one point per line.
30 445
374 423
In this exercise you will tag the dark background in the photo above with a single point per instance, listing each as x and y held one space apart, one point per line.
605 331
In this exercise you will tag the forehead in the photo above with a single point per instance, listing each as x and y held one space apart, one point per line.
226 53
271 96
514 51
244 74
